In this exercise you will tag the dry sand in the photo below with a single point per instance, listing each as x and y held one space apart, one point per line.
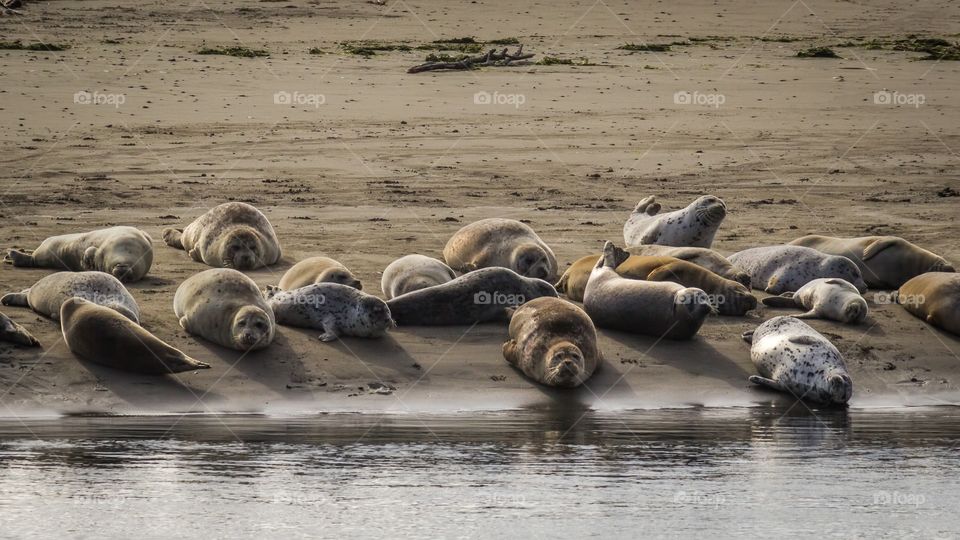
393 163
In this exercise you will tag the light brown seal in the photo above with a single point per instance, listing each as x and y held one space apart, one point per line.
501 242
412 273
553 342
103 336
834 299
935 298
707 258
231 235
886 262
318 270
226 307
124 252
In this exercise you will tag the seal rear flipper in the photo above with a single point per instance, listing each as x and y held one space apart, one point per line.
747 336
172 237
19 258
647 205
784 300
875 248
769 383
15 299
14 333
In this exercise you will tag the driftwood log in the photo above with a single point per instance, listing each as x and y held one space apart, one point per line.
491 58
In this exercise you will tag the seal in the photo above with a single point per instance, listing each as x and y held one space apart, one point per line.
707 258
553 342
226 307
103 336
661 309
50 292
886 262
695 225
412 273
318 270
338 310
480 296
935 298
231 235
792 357
124 252
824 298
501 242
729 297
779 269
12 332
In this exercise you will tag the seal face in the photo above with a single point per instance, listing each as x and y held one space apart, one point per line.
480 296
12 332
412 273
123 252
103 336
231 235
707 258
793 357
779 269
661 309
336 309
886 262
695 225
224 306
553 342
501 242
318 270
47 295
935 298
825 298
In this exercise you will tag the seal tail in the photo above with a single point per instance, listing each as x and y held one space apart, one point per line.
15 299
784 300
172 237
19 258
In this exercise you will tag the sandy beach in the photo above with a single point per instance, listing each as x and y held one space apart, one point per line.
353 158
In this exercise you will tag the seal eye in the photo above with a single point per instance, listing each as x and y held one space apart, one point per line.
242 323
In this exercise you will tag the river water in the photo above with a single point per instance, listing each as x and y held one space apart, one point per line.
745 473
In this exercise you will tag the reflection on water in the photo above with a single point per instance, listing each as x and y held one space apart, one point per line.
739 472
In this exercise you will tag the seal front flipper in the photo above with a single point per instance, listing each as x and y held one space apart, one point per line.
510 352
196 255
784 300
89 259
812 314
19 258
329 324
172 237
16 299
769 383
875 248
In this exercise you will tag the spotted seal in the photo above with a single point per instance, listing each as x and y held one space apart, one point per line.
695 225
824 298
49 293
792 357
779 269
338 310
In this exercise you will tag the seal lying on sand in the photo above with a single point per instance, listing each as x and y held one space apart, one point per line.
49 293
779 269
103 336
412 273
232 235
124 252
479 296
935 298
886 262
336 309
661 309
694 225
318 270
824 298
225 307
793 357
501 242
553 342
707 258
729 297
14 333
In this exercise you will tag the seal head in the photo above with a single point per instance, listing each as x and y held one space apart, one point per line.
252 328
